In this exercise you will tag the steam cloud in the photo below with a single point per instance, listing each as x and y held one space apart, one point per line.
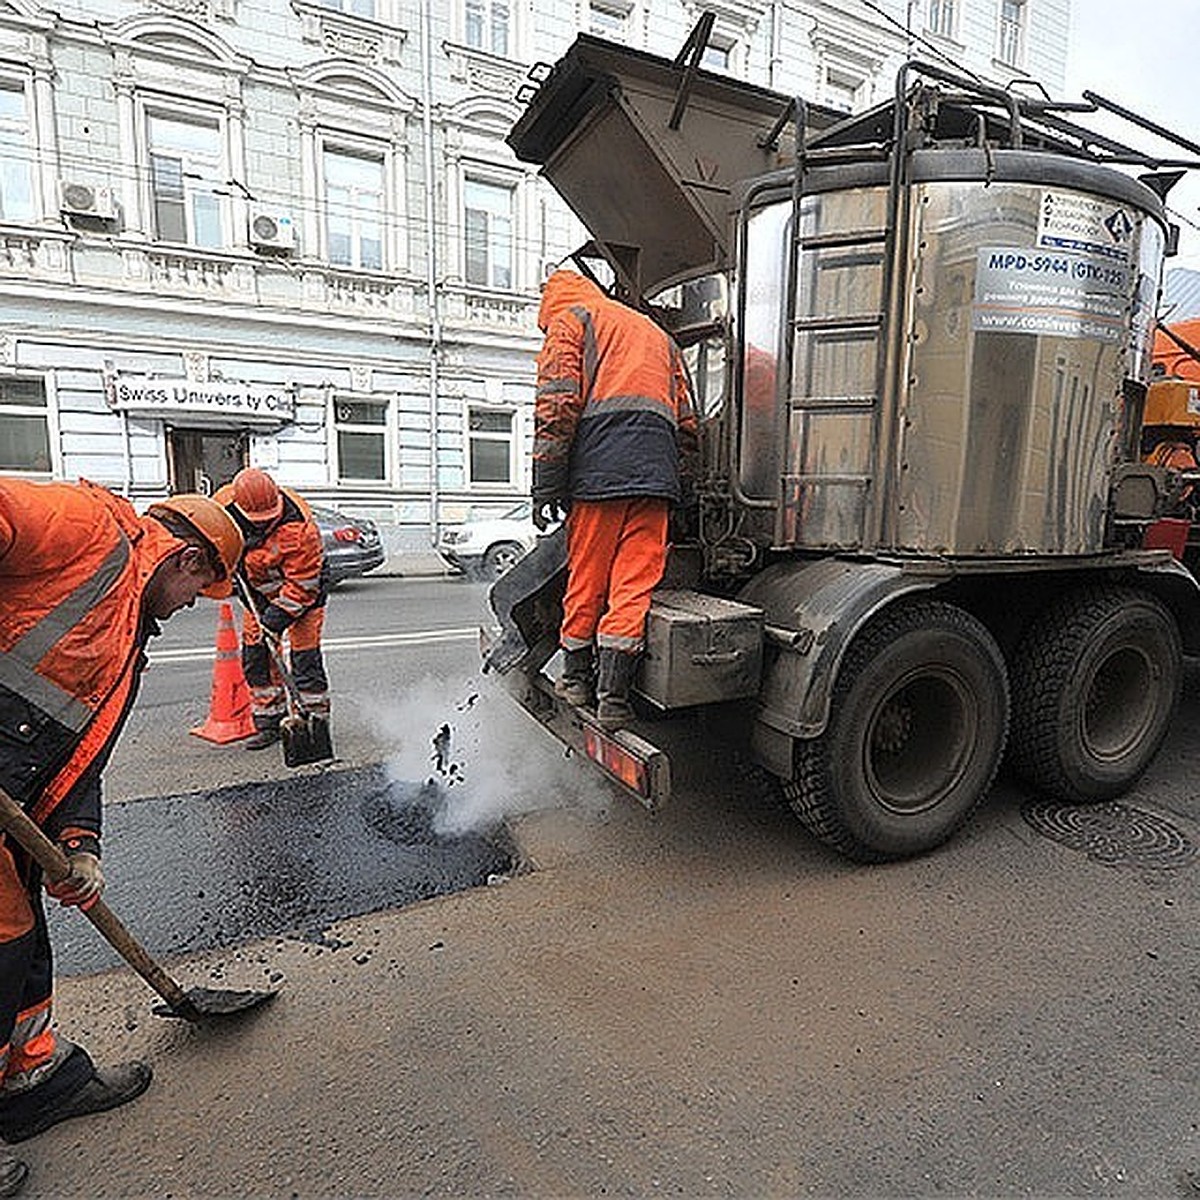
489 758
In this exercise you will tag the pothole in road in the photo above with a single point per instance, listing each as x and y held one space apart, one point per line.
1118 835
284 858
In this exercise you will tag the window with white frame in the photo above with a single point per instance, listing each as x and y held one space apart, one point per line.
608 20
490 442
24 426
1012 31
187 178
842 90
718 55
488 232
486 25
354 191
361 435
16 152
356 8
942 17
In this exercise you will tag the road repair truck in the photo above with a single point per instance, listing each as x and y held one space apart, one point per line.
920 341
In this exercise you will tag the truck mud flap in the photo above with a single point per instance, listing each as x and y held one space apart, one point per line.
527 603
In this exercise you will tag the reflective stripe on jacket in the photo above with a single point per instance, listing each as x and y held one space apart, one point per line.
75 561
284 563
613 416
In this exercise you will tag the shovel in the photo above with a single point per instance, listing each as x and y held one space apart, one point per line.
197 1003
304 734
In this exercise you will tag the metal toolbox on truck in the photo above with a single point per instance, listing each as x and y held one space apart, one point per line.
700 650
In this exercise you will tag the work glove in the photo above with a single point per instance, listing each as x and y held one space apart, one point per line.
275 620
83 886
548 510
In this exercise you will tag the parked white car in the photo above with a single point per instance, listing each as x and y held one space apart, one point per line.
485 547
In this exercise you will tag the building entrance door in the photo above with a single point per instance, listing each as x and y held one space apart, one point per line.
204 459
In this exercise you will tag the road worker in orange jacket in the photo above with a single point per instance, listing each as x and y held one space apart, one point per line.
614 447
84 581
284 564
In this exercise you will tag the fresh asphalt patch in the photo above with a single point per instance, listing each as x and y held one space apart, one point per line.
286 858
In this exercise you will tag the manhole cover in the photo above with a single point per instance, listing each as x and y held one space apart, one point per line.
1118 835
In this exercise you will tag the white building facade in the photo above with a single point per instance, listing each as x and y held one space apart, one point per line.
288 233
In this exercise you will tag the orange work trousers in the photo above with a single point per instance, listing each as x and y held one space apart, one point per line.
29 1048
616 552
268 699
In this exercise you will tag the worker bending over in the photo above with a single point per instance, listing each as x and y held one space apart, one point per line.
84 582
614 446
284 565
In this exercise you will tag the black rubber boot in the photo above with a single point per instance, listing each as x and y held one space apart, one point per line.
267 735
13 1174
36 1110
616 677
577 684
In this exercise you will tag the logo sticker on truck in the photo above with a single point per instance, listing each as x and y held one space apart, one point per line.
1019 290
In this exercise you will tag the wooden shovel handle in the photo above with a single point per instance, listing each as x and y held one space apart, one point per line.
15 822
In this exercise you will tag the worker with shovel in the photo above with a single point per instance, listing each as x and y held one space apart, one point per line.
284 566
84 582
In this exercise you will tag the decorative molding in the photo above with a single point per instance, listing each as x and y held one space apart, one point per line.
482 71
344 35
195 366
201 10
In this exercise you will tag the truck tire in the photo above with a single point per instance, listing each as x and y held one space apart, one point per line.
916 732
1096 679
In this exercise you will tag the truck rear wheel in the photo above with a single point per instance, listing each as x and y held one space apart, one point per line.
915 735
1095 682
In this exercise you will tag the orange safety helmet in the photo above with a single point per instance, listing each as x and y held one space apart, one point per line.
216 527
257 495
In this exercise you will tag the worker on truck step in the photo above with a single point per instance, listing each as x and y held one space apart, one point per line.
615 447
284 565
84 582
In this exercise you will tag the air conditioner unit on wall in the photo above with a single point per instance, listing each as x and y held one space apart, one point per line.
86 200
271 230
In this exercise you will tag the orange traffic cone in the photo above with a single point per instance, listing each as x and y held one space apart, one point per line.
229 718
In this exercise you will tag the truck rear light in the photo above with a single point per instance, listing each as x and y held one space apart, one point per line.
622 764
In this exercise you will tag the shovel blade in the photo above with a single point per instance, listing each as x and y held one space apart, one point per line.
305 740
199 1003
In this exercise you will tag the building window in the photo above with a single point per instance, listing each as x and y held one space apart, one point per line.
356 8
490 445
488 225
487 25
718 56
1012 31
361 430
24 426
942 17
16 153
187 178
842 91
354 209
609 21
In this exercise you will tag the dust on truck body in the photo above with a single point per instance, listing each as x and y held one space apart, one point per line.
920 341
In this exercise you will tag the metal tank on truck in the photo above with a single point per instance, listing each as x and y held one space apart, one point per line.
920 340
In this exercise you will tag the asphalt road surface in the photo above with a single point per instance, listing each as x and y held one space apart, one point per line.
702 1002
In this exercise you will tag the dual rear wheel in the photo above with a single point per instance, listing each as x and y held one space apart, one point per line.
921 710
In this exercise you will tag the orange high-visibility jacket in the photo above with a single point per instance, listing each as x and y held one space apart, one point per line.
613 417
75 561
283 563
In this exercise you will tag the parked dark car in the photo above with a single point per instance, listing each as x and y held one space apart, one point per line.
352 545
